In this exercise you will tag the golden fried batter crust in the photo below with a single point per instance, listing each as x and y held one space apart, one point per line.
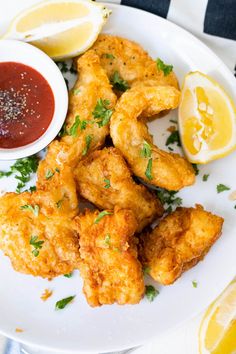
105 180
60 249
92 84
130 60
179 242
129 134
109 265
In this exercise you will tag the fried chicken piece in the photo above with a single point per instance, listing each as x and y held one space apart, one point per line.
179 242
37 234
105 180
130 135
83 134
109 265
130 60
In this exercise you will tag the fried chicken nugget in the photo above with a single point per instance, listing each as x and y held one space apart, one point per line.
130 135
109 265
179 242
36 233
130 60
105 180
81 133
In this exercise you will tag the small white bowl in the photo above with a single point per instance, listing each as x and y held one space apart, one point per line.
20 52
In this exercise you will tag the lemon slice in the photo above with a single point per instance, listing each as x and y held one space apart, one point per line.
218 328
207 119
61 28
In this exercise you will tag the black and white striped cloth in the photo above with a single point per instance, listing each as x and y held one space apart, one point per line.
212 21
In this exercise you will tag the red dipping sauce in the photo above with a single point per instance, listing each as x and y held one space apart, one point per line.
26 105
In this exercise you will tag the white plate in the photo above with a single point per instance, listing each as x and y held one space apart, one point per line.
79 327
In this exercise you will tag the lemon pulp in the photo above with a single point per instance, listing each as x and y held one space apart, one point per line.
64 42
50 12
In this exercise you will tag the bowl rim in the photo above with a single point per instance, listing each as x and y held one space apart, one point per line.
41 62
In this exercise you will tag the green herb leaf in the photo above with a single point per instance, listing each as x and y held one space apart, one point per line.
173 121
205 177
146 150
101 215
69 275
76 91
49 174
107 239
109 56
173 138
164 67
118 83
61 304
57 170
88 140
108 183
221 188
148 172
146 270
196 170
63 131
82 124
102 113
194 283
5 174
59 203
34 209
36 244
23 169
62 66
151 292
168 199
32 189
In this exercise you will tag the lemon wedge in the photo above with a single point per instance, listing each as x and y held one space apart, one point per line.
218 328
207 119
61 28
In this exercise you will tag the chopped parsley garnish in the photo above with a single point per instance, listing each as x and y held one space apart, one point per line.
63 131
69 275
36 244
57 170
194 282
168 199
196 170
102 113
82 124
101 215
146 270
109 56
108 183
146 150
76 91
88 140
61 304
62 66
107 239
59 203
173 121
173 138
118 83
221 188
205 177
49 174
72 69
32 189
148 172
23 169
151 292
164 67
34 209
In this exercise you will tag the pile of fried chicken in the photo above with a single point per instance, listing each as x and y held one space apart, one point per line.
44 233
